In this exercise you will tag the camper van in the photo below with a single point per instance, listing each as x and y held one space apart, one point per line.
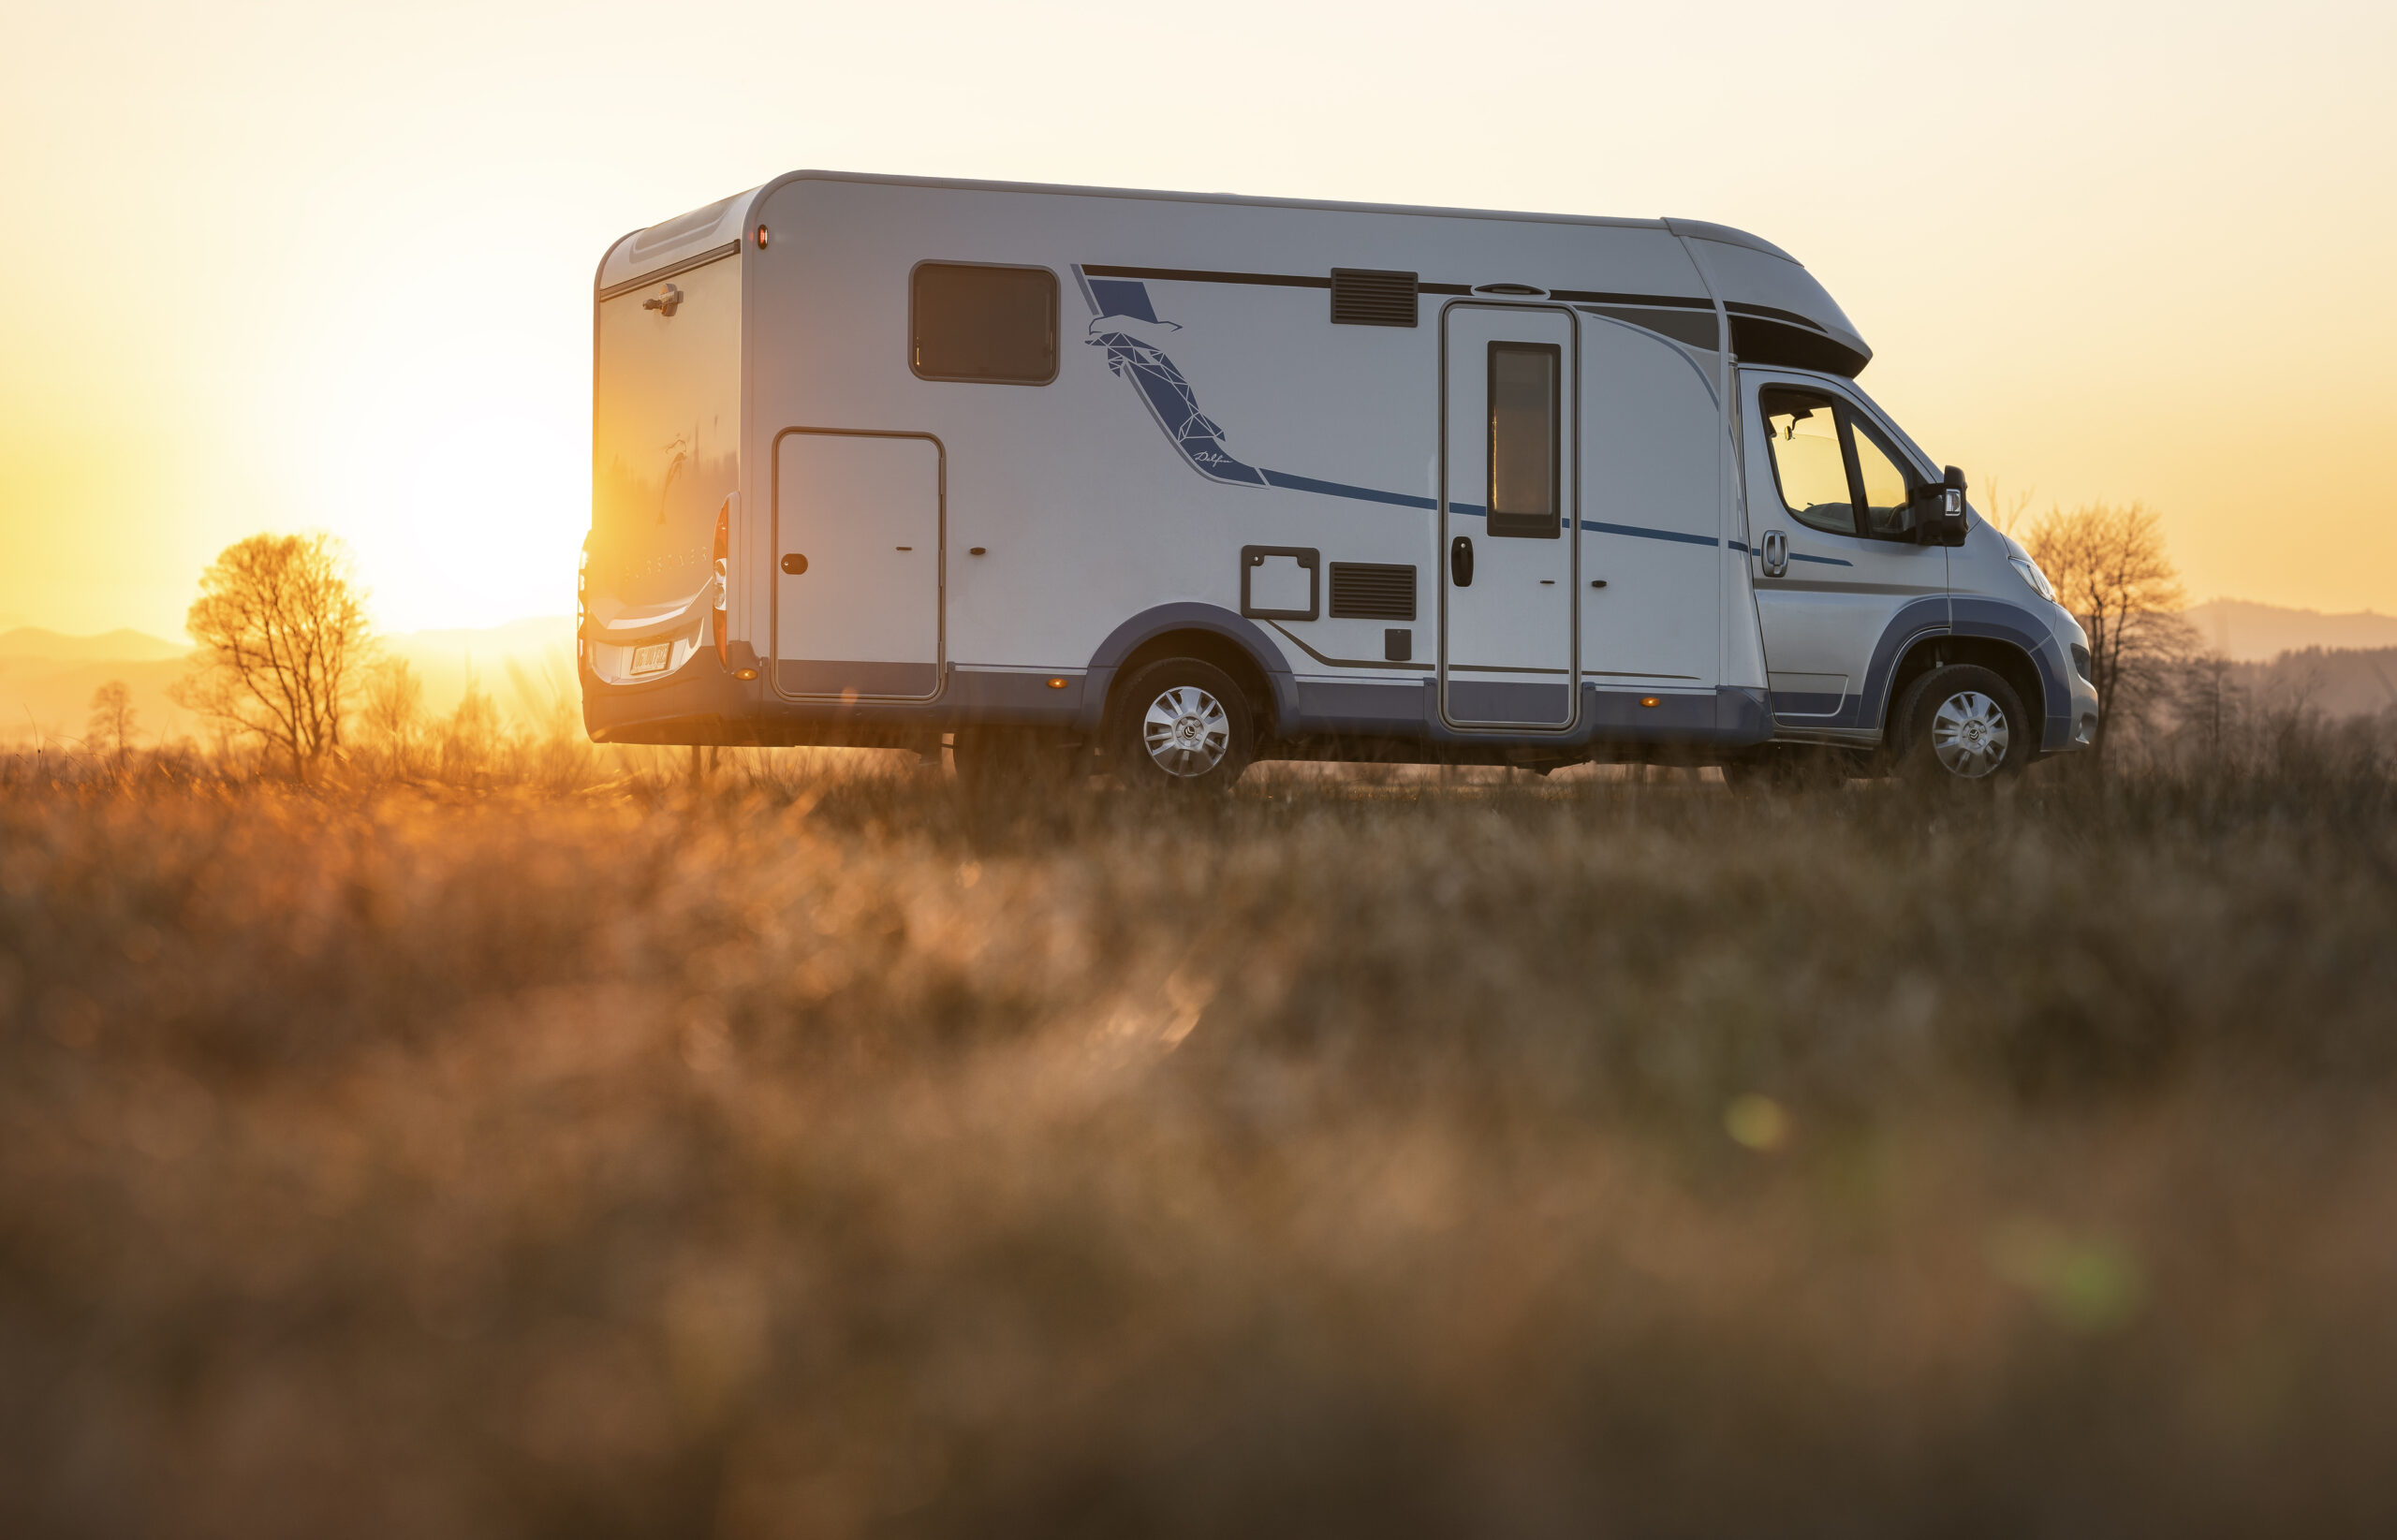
1074 478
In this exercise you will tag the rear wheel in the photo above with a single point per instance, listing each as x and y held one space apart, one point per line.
1180 726
1962 723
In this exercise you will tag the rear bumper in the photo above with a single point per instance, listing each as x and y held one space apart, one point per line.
699 703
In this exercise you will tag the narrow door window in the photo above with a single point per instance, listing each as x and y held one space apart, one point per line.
1884 485
1526 419
1807 460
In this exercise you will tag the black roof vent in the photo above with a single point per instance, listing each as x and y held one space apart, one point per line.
1369 297
1372 591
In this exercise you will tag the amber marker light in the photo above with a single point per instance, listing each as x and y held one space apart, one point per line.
1056 684
1651 701
745 673
762 238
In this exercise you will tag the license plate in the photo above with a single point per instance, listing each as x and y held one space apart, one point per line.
652 658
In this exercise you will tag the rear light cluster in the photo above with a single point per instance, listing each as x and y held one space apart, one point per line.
722 580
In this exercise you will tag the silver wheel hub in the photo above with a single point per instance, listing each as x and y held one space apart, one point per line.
1187 731
1969 735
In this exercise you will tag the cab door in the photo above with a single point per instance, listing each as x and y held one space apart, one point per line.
1508 478
1841 586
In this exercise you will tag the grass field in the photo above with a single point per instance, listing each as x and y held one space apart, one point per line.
818 1155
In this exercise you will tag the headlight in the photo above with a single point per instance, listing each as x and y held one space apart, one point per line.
2036 579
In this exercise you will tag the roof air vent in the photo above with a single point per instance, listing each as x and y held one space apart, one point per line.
1370 297
1523 290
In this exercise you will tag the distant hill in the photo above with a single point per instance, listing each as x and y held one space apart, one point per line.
2342 682
522 666
32 641
2247 632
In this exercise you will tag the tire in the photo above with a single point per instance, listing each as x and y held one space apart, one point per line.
1014 762
1180 728
1961 725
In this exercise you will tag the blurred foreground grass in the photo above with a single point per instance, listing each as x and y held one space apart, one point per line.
827 1156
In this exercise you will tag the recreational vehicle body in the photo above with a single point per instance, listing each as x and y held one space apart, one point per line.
1173 482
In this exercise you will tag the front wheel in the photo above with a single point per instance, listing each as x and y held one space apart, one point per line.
1962 723
1181 726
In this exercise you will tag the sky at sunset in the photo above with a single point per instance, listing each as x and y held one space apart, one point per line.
307 266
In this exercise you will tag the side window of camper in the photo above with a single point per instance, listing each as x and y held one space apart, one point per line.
974 321
1886 488
1807 460
1525 420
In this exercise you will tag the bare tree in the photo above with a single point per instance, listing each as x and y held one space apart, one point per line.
472 737
392 712
2109 569
2003 508
282 634
112 723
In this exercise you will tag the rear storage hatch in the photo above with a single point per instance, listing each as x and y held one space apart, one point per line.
665 458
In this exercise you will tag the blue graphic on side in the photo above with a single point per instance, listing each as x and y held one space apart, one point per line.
1170 400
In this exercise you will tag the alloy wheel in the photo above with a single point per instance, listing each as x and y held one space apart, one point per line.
1187 731
1970 734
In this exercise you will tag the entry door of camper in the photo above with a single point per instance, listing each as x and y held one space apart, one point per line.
1508 484
858 529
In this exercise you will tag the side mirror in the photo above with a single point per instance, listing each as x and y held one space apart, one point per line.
1938 510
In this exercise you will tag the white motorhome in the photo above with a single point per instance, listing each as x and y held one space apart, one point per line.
1188 481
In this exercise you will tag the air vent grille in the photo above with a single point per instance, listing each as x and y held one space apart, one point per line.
1368 297
1372 591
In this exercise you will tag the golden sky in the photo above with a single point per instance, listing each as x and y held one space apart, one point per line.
300 265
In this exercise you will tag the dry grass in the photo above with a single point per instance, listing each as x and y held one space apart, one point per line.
821 1156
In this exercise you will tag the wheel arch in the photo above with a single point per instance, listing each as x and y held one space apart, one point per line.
1202 631
2006 659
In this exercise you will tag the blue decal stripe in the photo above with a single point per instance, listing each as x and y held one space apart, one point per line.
1475 510
1825 561
1639 532
1341 489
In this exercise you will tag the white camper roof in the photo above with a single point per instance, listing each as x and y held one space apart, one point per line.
1779 313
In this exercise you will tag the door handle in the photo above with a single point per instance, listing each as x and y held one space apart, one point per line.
1776 552
1461 561
794 564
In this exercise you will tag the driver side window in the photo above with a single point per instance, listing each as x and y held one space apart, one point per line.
1808 459
1836 471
